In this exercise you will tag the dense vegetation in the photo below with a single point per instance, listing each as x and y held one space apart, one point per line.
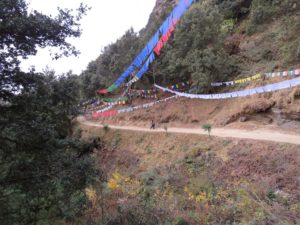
107 67
206 44
44 169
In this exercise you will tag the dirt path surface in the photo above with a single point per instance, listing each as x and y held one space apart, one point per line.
264 135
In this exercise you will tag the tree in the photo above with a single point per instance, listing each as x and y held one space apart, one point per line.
114 59
43 170
22 32
196 50
42 175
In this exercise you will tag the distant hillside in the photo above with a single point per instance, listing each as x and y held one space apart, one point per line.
216 40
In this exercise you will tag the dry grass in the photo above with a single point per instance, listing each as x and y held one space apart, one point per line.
296 93
258 106
233 173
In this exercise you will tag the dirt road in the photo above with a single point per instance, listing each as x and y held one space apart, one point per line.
264 135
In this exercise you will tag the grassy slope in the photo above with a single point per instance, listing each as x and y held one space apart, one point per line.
201 180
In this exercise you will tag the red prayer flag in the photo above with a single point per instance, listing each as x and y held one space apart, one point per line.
102 92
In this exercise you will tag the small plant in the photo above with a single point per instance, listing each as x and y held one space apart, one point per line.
166 129
148 149
180 221
207 127
296 207
116 141
106 128
271 195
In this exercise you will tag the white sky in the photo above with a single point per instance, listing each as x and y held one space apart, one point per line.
104 24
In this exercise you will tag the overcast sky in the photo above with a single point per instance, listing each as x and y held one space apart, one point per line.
104 24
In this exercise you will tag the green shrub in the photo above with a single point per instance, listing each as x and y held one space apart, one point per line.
106 128
180 221
207 127
271 195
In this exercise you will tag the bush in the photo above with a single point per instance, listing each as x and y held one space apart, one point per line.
271 195
207 127
106 128
180 221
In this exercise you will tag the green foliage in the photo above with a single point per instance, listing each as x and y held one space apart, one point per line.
209 65
196 50
194 166
228 25
180 221
271 195
114 59
296 208
22 32
263 11
207 127
106 128
44 170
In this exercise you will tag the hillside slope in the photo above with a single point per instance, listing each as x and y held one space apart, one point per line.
217 40
279 110
154 178
185 178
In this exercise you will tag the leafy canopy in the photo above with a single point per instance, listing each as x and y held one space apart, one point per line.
43 167
22 32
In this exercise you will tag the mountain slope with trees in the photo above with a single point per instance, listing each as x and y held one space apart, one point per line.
215 40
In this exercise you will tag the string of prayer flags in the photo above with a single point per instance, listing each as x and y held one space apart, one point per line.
258 76
268 88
